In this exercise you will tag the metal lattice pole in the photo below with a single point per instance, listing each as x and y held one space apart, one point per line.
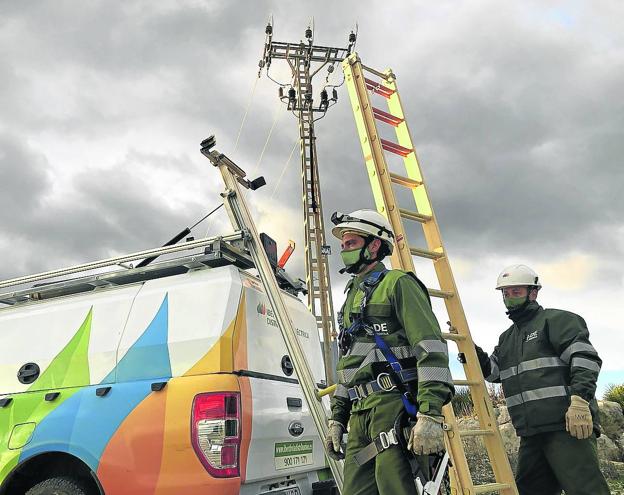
306 60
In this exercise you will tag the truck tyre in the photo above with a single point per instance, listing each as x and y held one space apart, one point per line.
325 487
58 486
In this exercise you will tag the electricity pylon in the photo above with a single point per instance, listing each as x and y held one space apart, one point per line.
305 60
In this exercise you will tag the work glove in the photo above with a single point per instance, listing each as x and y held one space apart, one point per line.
578 418
427 435
334 439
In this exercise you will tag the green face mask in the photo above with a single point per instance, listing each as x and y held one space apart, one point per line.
352 257
514 302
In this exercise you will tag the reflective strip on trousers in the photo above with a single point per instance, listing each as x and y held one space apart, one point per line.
580 362
533 364
577 347
537 394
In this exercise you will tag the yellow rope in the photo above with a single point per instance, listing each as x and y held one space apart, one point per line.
249 102
276 118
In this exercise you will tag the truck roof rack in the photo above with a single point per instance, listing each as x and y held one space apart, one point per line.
218 252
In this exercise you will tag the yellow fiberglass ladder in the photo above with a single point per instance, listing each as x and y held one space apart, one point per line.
363 82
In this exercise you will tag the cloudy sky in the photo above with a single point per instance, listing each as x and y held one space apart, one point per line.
516 110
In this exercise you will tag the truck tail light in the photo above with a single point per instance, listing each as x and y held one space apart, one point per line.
215 432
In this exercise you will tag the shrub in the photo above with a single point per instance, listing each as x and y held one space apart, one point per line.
462 402
615 393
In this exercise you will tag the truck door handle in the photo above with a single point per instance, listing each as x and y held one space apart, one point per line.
28 373
294 402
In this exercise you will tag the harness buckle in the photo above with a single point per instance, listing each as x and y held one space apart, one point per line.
388 438
359 392
385 382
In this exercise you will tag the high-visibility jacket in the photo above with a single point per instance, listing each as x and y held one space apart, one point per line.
541 360
400 312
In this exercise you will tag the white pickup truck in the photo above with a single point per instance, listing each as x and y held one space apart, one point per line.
169 379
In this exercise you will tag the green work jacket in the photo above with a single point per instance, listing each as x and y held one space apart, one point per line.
400 312
541 360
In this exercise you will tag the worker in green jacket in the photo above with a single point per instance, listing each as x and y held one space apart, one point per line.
392 357
548 369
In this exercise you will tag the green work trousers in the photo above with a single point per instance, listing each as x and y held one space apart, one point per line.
555 461
389 472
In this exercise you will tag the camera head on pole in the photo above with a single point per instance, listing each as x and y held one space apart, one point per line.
218 159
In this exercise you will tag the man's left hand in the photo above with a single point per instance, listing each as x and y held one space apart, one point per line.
427 435
578 418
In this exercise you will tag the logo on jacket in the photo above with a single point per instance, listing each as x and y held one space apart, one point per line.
380 327
531 336
261 308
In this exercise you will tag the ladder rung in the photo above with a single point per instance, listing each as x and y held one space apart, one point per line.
384 76
412 215
378 88
386 117
404 181
453 336
475 433
444 294
424 253
465 383
491 487
395 148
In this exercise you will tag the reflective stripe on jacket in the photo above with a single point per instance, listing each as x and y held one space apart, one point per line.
542 359
401 314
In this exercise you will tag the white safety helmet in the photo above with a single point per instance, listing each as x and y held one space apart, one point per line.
517 275
365 223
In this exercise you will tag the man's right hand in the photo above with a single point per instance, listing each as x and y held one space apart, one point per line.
482 356
333 440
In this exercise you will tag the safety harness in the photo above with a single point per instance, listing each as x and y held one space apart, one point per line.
396 378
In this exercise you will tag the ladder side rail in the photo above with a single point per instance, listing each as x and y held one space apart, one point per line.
384 196
385 201
242 220
375 158
454 307
94 265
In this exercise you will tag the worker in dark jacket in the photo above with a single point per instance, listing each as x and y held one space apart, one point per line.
548 369
384 308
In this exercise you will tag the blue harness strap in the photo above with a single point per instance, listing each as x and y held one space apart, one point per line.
410 407
369 285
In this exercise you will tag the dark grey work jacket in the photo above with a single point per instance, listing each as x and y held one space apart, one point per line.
541 360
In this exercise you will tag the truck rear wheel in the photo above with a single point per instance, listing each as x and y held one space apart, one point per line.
58 486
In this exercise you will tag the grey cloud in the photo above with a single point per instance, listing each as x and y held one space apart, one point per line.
517 120
105 213
23 179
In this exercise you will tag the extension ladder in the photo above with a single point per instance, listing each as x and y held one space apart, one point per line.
360 81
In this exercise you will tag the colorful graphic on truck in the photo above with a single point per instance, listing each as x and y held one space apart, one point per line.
94 421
